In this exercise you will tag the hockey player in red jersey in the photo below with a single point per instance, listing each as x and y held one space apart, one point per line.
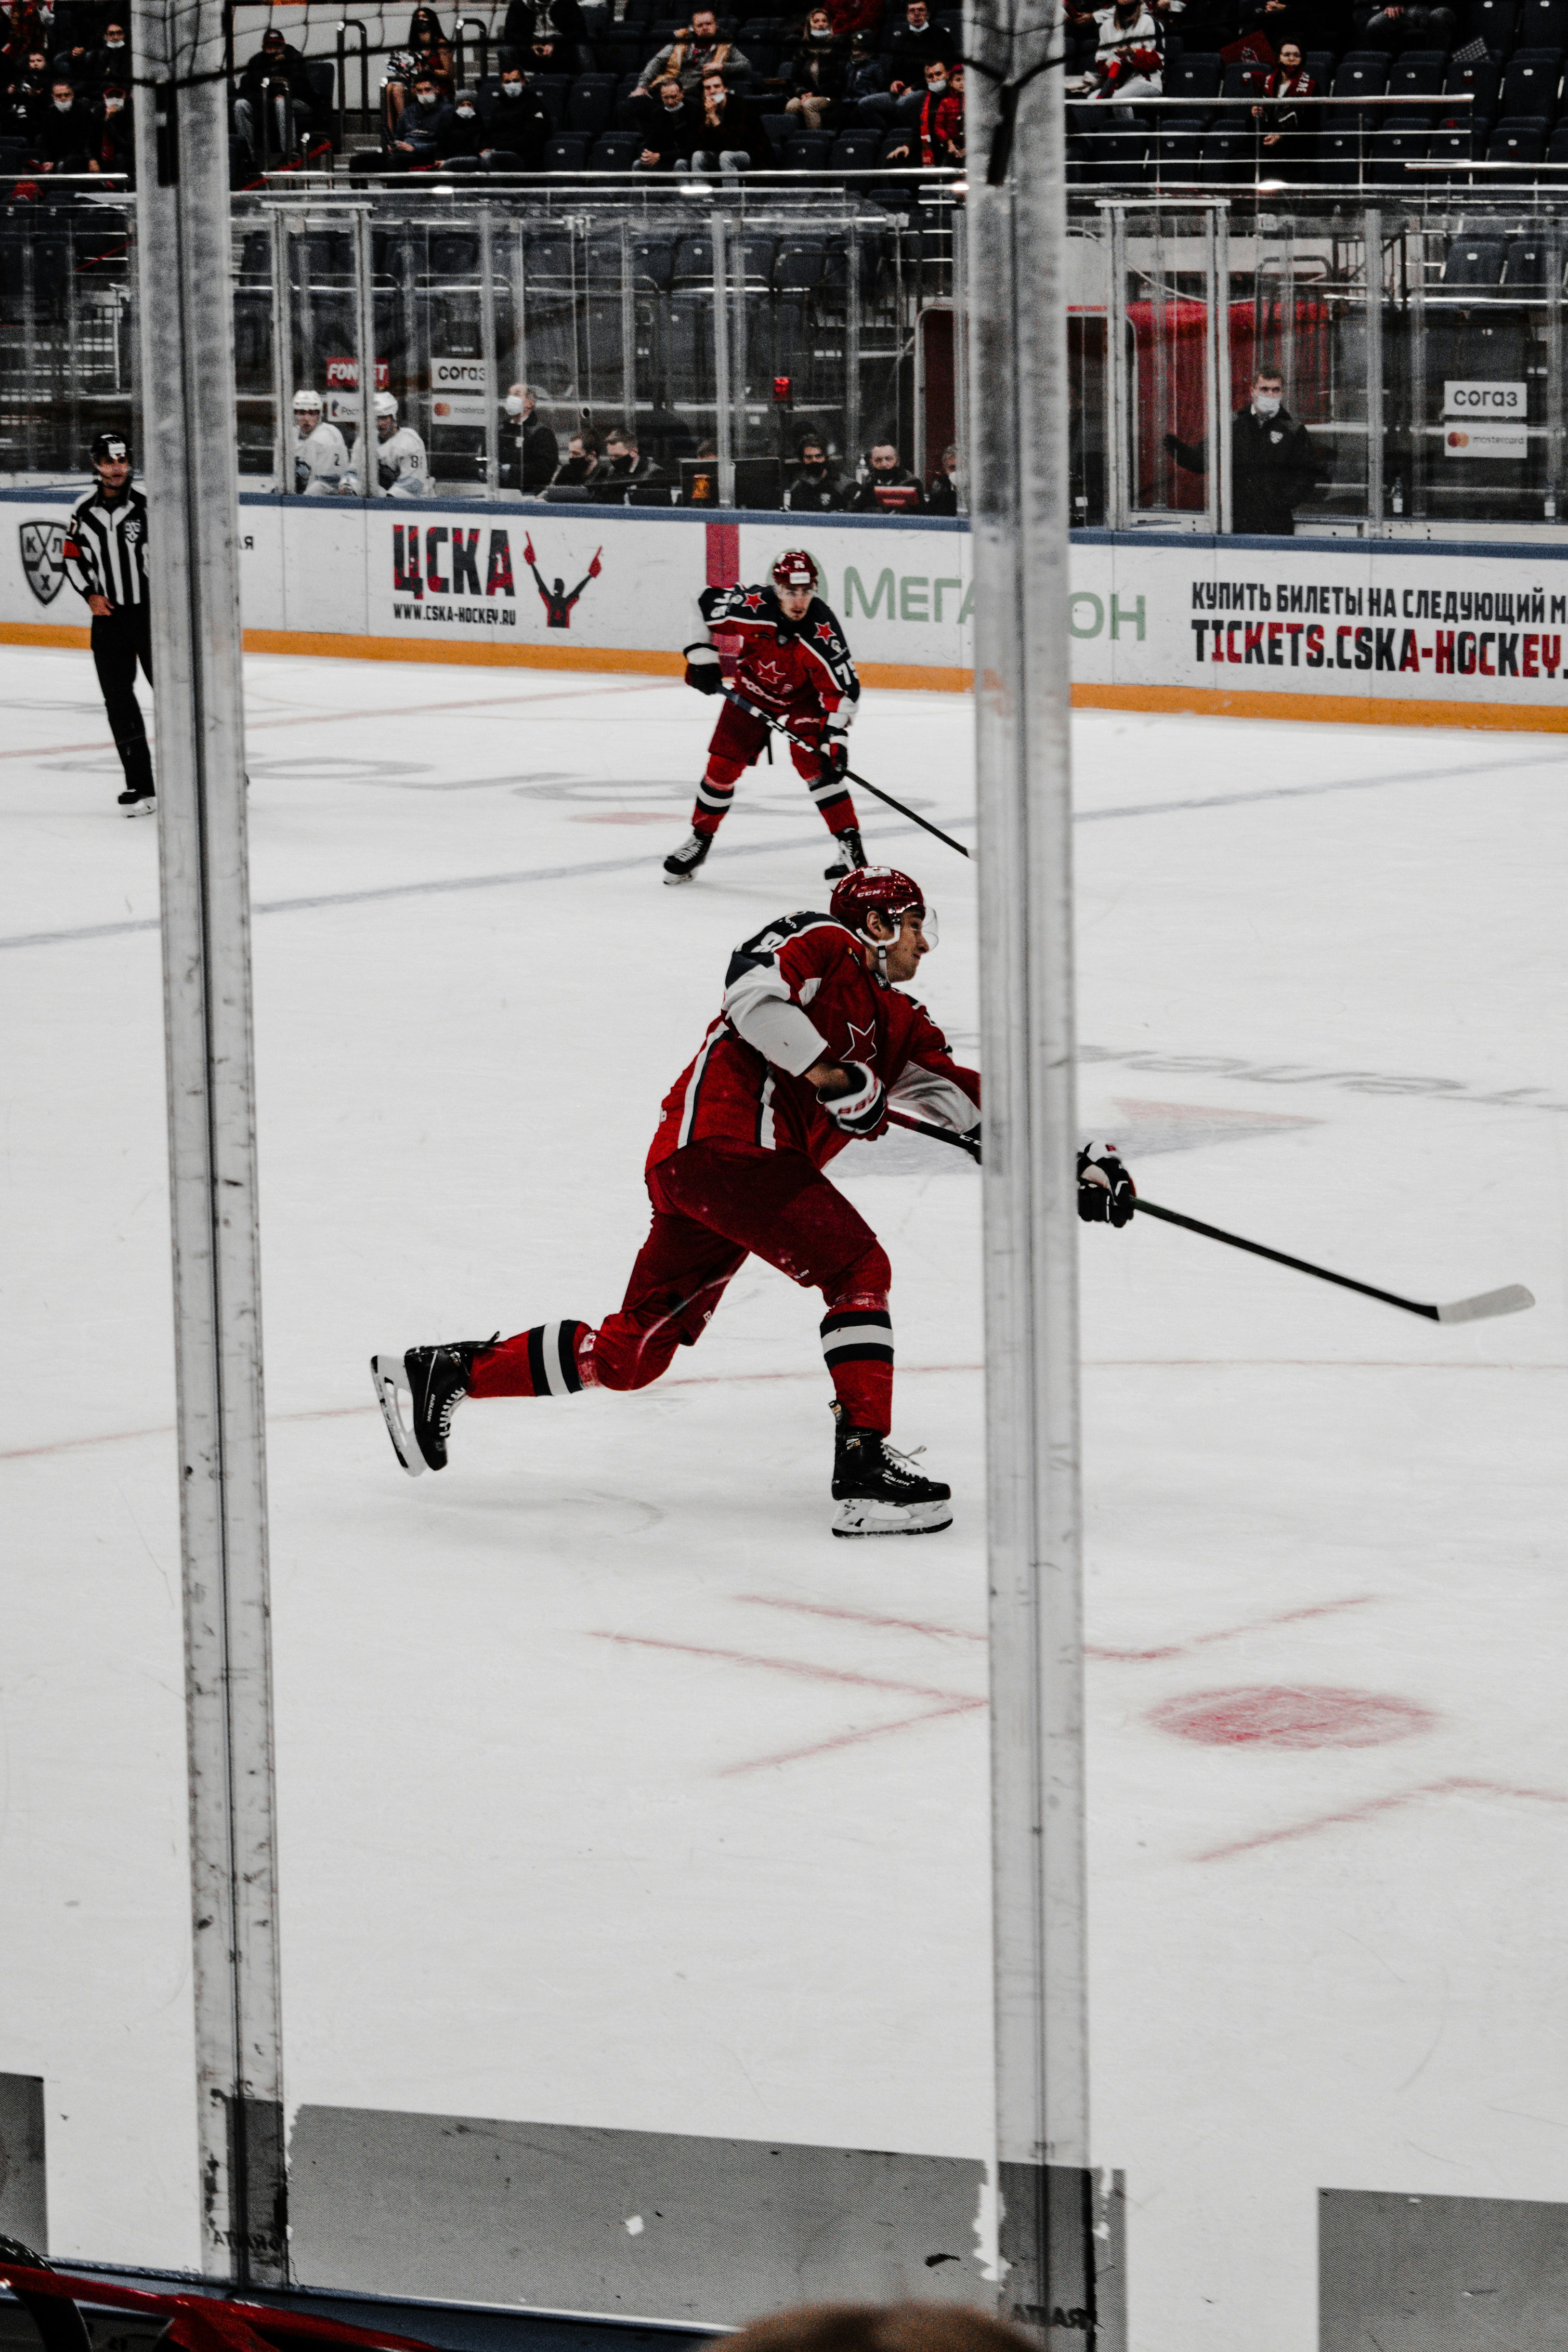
814 1039
795 664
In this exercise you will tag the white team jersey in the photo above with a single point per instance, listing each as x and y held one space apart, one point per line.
321 461
401 460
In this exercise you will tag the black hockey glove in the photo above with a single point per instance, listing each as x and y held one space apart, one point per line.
861 1108
1106 1193
702 670
835 752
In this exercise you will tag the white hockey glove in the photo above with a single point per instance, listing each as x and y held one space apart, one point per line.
860 1108
702 670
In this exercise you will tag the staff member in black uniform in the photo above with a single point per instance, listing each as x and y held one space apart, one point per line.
106 561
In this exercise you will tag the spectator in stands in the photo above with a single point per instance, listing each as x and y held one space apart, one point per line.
538 455
114 143
622 468
817 488
1129 62
273 86
942 494
728 130
888 488
692 54
110 62
558 21
517 123
78 36
466 137
817 73
913 45
580 464
63 138
1404 28
426 121
866 76
667 129
1287 130
851 16
26 98
1271 460
936 134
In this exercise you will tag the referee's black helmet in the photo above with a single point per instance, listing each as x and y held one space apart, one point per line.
112 448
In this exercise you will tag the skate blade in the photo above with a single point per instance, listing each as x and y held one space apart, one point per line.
387 1372
867 1518
674 881
148 807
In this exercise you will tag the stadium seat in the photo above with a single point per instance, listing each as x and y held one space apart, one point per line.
801 263
567 153
1197 76
855 150
1359 77
1543 24
1418 74
1245 80
1177 150
653 261
1478 82
504 160
1557 147
1493 22
1340 158
1528 269
1387 153
1473 264
1530 81
807 150
553 90
590 104
454 254
615 151
693 261
1522 144
1454 149
1320 64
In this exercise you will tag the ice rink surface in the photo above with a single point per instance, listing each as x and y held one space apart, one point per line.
612 1791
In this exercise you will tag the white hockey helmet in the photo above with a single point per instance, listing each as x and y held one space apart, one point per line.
385 404
305 401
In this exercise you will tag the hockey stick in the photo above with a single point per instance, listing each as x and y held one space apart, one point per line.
754 711
1510 1300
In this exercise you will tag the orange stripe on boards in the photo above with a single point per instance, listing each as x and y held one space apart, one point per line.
1329 710
41 633
486 656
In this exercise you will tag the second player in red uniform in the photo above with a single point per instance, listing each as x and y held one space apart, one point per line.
794 665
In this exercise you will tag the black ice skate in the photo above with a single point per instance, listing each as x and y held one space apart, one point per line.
879 1492
851 855
138 800
437 1379
682 863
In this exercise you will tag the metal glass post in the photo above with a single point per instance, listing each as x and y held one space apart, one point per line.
961 351
1019 408
852 356
724 435
489 353
1221 447
1420 392
628 331
282 356
1553 500
1113 229
1372 247
364 353
187 365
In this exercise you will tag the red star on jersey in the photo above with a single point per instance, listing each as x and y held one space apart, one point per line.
753 603
855 1048
823 631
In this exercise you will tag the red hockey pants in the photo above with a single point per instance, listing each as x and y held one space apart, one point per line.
714 1205
738 740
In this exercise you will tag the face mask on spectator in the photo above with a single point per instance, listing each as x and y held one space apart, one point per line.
425 95
513 401
465 113
1266 404
112 105
62 105
936 84
511 89
109 41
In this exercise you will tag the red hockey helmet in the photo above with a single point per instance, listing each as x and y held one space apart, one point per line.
881 891
795 569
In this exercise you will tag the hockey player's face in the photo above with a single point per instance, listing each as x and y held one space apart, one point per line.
114 472
386 428
910 943
793 602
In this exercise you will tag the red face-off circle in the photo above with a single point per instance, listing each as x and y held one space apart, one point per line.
1282 1715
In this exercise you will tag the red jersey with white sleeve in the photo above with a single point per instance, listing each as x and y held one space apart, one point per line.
796 993
784 665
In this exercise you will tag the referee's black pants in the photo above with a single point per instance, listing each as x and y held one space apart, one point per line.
120 640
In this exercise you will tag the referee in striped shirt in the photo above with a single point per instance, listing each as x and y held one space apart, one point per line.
106 561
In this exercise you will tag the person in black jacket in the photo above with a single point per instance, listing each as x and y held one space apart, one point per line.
535 452
466 136
815 488
26 99
516 123
276 73
729 131
818 72
111 61
63 138
114 141
1271 461
623 468
427 120
528 21
888 488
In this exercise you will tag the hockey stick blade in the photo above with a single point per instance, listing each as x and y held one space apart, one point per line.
1513 1299
777 726
1508 1301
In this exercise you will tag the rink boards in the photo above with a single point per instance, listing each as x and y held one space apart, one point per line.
1410 633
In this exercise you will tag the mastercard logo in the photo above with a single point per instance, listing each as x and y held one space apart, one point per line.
1459 440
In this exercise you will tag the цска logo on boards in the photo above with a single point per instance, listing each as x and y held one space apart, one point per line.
43 559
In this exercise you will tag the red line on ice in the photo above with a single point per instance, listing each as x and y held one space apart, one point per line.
792 1666
849 1738
860 1616
1374 1806
1228 1632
